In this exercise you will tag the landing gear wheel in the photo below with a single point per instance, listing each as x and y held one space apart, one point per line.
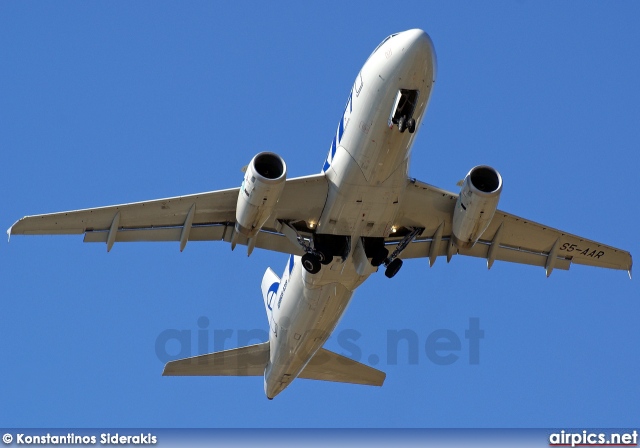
393 268
402 124
325 259
379 258
411 125
311 263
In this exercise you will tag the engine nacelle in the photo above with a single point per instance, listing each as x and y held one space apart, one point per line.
261 188
476 205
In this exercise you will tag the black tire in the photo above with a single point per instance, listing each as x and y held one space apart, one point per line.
411 125
325 259
311 263
402 124
393 268
379 257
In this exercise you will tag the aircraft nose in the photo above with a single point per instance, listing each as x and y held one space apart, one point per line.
416 46
413 35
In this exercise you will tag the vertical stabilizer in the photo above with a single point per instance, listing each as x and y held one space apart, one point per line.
270 285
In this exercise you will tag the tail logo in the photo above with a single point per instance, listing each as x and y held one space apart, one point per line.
271 294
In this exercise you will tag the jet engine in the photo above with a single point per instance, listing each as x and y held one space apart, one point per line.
476 204
261 188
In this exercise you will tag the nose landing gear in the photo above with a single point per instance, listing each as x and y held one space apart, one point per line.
402 111
406 124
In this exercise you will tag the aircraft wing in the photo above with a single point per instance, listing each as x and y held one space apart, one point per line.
508 237
196 217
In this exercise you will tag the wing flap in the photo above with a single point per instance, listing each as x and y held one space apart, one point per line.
422 248
330 366
243 361
214 232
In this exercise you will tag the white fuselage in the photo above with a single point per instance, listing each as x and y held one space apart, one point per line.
367 172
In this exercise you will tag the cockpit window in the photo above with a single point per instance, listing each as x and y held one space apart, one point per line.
382 43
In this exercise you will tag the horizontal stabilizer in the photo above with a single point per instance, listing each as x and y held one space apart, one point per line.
330 366
243 361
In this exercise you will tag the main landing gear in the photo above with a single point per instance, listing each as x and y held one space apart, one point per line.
393 263
379 256
393 268
325 247
319 249
313 261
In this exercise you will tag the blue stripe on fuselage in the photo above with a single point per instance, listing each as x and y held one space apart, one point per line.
340 132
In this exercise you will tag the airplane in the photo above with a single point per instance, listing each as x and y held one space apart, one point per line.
362 212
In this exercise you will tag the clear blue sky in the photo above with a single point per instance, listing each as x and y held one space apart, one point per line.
112 102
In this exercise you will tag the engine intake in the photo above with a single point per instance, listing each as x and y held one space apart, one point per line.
476 205
269 165
261 188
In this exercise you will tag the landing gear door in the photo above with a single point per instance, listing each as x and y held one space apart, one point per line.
403 106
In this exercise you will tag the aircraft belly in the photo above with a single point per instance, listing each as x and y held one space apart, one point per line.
375 146
356 208
367 173
369 162
376 149
305 318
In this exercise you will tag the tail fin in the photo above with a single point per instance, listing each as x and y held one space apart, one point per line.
270 285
